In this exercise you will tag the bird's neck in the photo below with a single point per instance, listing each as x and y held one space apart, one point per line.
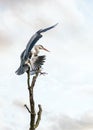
36 51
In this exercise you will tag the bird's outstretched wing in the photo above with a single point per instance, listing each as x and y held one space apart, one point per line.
32 42
40 61
37 62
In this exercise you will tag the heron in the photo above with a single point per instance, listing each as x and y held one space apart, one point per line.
27 52
34 61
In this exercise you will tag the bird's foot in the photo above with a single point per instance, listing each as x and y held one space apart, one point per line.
43 73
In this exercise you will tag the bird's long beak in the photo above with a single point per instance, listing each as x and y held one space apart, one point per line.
46 49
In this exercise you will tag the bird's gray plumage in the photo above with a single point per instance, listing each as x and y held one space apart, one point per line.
22 69
38 64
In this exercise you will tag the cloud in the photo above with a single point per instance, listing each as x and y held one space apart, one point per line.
18 103
5 40
63 122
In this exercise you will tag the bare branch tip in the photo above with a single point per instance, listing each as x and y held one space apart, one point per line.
27 108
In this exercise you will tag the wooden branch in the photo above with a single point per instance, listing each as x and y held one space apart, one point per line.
38 116
31 99
27 108
28 79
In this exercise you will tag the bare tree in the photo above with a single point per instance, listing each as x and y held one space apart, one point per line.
26 66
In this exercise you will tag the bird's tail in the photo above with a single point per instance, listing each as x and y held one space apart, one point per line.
46 29
22 69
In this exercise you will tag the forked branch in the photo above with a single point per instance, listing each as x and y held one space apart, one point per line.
31 110
38 116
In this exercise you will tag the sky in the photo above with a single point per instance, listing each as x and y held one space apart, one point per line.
66 92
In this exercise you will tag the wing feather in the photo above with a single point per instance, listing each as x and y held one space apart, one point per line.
38 62
22 69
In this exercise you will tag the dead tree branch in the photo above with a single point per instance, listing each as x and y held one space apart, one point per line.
27 108
38 116
31 110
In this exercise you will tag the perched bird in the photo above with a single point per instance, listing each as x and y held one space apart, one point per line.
34 61
27 52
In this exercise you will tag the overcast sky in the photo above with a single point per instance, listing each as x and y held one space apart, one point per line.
66 93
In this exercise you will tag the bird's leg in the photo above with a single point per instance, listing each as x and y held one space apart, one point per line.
41 73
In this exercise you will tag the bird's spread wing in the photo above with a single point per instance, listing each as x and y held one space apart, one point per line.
37 62
33 40
22 55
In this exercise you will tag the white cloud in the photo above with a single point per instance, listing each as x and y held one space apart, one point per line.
66 123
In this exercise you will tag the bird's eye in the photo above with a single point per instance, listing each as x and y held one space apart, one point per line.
40 48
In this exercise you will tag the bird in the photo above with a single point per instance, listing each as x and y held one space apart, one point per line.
34 61
27 52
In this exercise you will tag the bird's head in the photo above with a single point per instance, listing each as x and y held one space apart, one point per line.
40 47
